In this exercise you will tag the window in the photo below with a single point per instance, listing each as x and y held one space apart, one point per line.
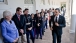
49 2
1 0
28 1
4 2
43 2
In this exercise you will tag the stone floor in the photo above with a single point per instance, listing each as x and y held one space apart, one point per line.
72 37
47 38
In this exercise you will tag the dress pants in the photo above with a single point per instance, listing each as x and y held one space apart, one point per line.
56 36
30 33
20 40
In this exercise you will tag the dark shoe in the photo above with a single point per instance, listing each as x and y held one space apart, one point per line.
41 38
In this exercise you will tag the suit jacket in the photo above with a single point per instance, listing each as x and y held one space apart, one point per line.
9 31
20 24
61 22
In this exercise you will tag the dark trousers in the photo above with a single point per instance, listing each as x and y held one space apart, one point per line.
10 42
43 28
34 29
30 34
46 24
39 32
56 36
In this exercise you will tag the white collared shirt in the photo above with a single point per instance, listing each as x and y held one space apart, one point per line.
57 18
8 22
51 13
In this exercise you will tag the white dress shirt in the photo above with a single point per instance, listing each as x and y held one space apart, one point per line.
57 18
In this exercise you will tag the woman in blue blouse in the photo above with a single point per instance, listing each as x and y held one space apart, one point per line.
8 28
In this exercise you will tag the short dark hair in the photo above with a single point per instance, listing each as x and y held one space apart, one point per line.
38 13
18 8
49 8
25 9
32 14
36 10
53 9
48 11
57 9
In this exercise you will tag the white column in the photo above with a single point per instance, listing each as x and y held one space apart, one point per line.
73 17
34 6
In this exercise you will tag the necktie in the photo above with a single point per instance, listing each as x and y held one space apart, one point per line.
19 18
56 19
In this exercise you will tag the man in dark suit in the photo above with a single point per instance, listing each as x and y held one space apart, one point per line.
57 22
20 23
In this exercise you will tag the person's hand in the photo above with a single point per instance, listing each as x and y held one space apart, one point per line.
51 28
56 24
21 30
30 28
15 41
38 24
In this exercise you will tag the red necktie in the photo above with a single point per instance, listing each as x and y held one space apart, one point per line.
19 18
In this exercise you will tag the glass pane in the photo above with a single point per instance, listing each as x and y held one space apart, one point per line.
28 1
1 0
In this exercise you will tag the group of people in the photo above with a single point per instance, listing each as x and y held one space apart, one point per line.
20 28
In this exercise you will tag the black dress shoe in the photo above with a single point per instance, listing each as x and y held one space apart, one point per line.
41 38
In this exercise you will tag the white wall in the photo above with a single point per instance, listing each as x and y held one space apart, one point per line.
40 6
13 4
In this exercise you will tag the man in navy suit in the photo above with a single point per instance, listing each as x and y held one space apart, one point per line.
20 23
56 23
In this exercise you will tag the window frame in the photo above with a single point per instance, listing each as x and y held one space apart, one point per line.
32 2
1 1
